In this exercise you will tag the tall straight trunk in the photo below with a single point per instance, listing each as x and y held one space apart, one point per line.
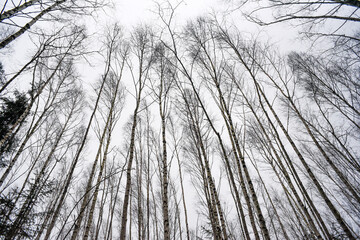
208 186
269 197
155 218
108 128
225 155
216 209
317 184
139 175
34 97
112 206
181 187
164 177
241 166
79 151
188 75
217 206
164 164
177 214
148 179
296 210
143 41
341 176
36 186
130 215
215 77
51 207
341 222
279 161
96 190
129 167
330 205
210 201
87 194
323 226
103 201
319 187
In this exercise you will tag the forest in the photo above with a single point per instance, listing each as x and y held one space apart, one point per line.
173 129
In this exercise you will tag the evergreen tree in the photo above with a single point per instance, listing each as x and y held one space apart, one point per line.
11 110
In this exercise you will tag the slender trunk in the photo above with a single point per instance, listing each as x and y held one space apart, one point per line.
107 128
189 77
227 39
271 202
103 200
112 207
330 205
262 95
77 156
240 159
148 179
284 170
241 166
37 54
139 172
28 108
144 65
225 157
217 206
128 170
96 190
164 175
155 218
36 186
182 192
323 153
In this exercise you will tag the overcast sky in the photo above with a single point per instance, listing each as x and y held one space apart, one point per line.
130 13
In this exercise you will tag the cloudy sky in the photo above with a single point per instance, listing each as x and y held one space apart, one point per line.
131 13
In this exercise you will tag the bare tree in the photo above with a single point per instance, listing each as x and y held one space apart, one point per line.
59 204
113 40
43 177
288 92
165 75
115 96
62 56
142 49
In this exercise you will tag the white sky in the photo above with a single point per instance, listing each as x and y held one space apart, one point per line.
130 13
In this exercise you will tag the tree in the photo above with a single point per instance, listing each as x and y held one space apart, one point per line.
112 99
39 162
284 87
61 54
165 74
142 48
11 111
